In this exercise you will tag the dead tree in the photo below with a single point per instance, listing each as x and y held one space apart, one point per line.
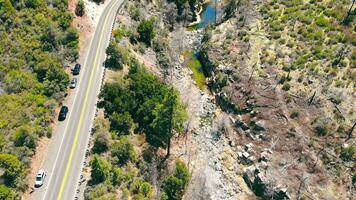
351 131
312 98
351 12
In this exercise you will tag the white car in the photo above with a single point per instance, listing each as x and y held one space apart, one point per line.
40 178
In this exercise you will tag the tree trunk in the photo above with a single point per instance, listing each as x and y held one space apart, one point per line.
349 13
350 133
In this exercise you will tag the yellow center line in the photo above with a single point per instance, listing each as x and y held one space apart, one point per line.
94 66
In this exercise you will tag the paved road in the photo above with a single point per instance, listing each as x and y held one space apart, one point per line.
66 153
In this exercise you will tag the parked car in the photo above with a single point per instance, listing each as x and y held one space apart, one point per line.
40 178
63 113
73 83
76 69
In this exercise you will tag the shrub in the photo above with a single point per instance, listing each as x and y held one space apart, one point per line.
121 123
286 86
101 143
6 193
100 170
80 8
123 150
174 185
348 153
116 56
146 31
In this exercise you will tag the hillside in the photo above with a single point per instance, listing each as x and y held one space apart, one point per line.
36 44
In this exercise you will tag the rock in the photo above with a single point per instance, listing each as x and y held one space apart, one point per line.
232 143
259 125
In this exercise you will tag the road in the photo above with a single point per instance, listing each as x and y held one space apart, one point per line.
65 157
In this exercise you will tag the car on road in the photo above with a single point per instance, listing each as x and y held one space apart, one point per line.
63 113
73 83
76 69
40 178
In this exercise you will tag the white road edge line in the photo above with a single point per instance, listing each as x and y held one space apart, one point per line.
68 119
95 107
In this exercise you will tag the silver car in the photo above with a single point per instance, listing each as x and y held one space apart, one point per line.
40 178
73 83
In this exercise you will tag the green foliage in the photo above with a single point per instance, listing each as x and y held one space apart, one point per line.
101 192
194 64
146 99
146 31
80 8
6 193
121 123
24 136
348 153
100 170
180 5
123 151
116 56
14 170
135 13
101 143
174 185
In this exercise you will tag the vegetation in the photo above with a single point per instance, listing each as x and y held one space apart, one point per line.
194 64
146 31
36 42
152 105
174 185
80 8
116 56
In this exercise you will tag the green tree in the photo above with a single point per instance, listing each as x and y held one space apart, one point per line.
101 143
230 8
123 150
100 170
6 193
180 5
146 31
6 10
121 123
14 170
80 8
24 136
167 116
116 56
175 185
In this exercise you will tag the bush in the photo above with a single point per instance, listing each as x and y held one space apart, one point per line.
80 8
100 170
6 193
121 123
123 150
348 153
116 56
146 31
286 86
174 185
101 143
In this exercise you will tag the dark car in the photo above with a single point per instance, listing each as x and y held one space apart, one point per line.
76 69
63 113
73 83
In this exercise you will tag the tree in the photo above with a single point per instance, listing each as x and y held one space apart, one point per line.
24 137
146 31
116 56
6 10
121 123
349 16
80 8
6 193
14 170
174 185
230 8
100 170
101 143
167 116
123 150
